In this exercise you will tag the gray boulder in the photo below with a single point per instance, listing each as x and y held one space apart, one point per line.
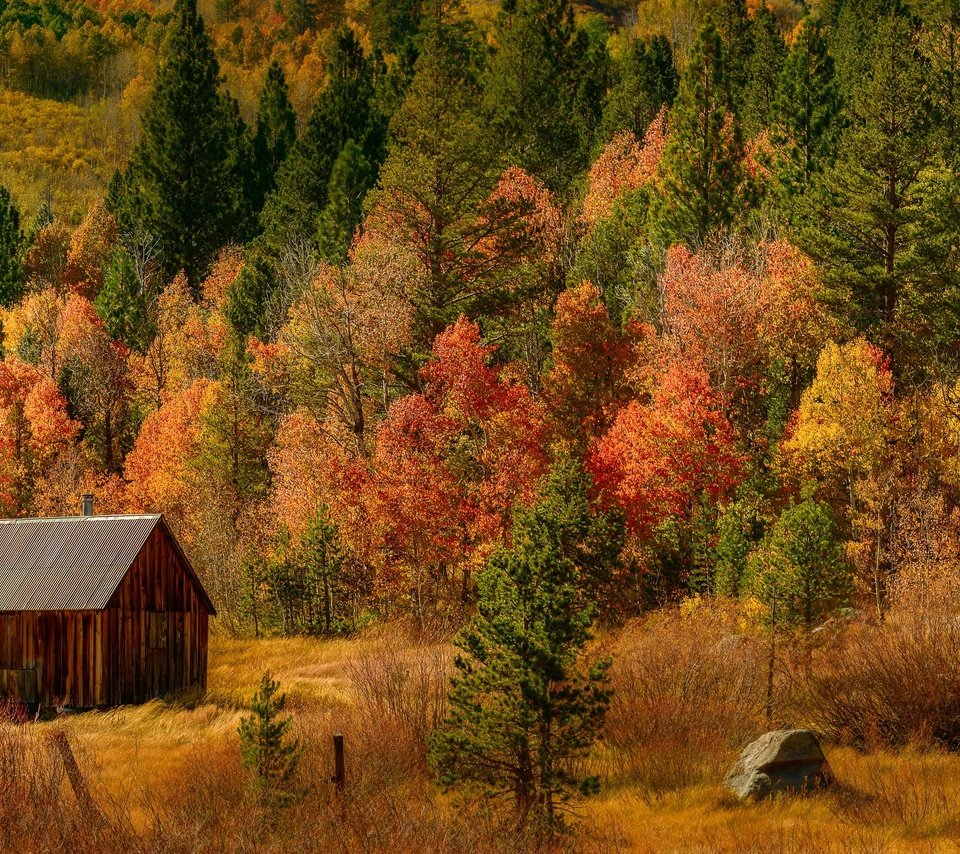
785 760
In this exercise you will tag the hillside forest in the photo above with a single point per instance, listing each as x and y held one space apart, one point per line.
361 277
619 342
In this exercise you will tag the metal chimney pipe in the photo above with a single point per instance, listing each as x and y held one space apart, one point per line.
88 504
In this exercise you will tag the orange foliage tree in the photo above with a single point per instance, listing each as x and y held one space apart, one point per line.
661 458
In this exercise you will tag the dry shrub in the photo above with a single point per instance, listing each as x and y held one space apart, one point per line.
914 793
893 684
400 692
38 811
688 690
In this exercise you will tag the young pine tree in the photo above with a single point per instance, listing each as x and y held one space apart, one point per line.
267 750
11 251
799 571
523 709
704 188
187 184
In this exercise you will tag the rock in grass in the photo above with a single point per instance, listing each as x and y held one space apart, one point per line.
783 761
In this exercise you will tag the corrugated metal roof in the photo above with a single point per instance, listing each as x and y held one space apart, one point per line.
72 563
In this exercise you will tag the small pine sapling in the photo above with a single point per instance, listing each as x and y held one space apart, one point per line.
267 750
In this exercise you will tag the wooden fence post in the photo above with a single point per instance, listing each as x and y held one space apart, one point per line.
77 783
339 766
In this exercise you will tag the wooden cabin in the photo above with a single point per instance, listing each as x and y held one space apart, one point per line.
98 611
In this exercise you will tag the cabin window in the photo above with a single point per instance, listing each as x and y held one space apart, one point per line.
157 634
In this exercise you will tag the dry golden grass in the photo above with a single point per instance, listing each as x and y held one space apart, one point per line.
168 775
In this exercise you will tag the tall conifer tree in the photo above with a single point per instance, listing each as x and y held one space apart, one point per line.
275 134
533 89
11 251
704 187
807 115
187 184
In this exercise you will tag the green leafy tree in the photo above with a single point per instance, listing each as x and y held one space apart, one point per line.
275 134
534 86
704 188
799 570
646 80
523 710
268 751
807 114
11 251
188 180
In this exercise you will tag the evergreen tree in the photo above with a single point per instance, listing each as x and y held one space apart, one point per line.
646 80
763 72
880 222
187 184
522 709
799 571
442 166
393 23
11 251
704 188
736 34
268 752
534 84
346 109
351 178
807 114
275 134
121 303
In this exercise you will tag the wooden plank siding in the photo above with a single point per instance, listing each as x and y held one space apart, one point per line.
150 640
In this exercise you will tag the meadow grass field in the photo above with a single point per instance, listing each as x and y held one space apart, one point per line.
167 776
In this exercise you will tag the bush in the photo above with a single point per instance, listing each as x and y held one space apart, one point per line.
688 691
893 684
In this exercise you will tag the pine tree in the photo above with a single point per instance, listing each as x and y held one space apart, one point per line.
704 188
267 750
763 72
799 571
275 134
11 251
346 109
186 184
736 34
442 166
533 89
351 178
807 115
879 222
522 709
121 304
646 80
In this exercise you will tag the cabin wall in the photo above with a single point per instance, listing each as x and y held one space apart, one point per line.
162 626
151 640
